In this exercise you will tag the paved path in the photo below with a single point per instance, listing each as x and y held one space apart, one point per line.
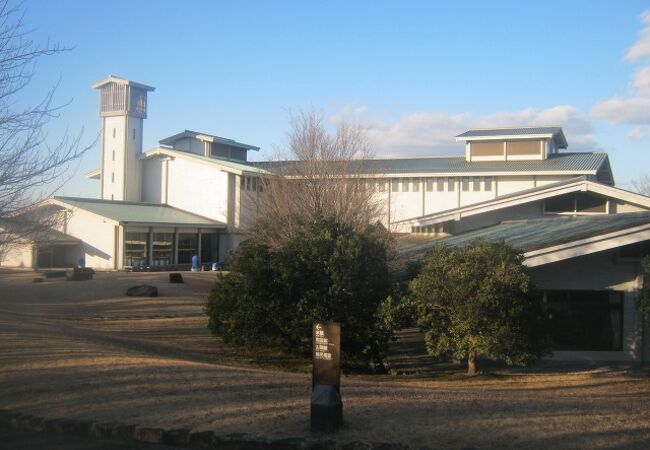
84 350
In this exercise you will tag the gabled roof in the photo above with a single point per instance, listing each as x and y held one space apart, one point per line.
579 184
206 138
226 165
138 212
119 80
547 240
581 163
480 134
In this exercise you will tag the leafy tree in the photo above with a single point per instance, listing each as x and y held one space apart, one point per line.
479 300
328 271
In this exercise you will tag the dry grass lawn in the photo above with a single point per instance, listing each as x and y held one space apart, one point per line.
83 349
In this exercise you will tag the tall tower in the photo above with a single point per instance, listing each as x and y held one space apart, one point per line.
122 107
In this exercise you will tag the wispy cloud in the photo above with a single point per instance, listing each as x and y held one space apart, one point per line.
633 109
641 48
433 132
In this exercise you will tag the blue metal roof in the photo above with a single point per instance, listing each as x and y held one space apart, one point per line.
581 163
523 131
144 213
194 134
527 235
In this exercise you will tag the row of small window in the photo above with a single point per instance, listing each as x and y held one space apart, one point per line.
440 184
132 133
251 184
431 229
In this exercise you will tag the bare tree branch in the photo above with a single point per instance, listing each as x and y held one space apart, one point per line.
321 178
31 168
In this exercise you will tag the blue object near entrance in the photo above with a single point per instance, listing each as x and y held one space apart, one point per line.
81 263
196 266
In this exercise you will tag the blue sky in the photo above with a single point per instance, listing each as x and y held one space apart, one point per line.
417 73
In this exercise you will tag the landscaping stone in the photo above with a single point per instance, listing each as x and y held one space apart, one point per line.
76 427
294 443
123 431
150 435
21 422
175 278
179 436
102 430
81 274
320 445
357 445
143 290
201 439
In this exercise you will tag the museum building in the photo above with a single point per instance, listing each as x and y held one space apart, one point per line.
196 193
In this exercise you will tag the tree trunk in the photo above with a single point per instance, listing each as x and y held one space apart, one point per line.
471 363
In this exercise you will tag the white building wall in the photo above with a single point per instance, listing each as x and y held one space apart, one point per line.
599 271
508 185
122 144
112 178
133 162
198 188
20 255
97 235
152 180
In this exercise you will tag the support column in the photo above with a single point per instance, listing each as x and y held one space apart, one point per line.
198 245
150 247
175 247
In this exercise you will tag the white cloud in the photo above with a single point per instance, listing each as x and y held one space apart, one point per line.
634 109
641 48
433 133
639 132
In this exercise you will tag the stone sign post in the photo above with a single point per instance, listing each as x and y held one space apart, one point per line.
326 403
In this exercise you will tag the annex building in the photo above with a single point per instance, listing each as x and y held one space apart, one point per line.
195 193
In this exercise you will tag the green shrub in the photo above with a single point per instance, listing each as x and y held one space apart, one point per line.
272 296
479 300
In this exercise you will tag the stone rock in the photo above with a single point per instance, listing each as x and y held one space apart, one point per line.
150 435
357 445
77 427
180 436
102 430
123 431
175 277
81 274
143 290
293 443
201 439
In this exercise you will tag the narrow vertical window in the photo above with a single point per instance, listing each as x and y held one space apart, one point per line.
488 183
465 184
440 185
114 132
451 184
133 134
112 177
429 184
476 184
395 185
416 184
405 184
113 155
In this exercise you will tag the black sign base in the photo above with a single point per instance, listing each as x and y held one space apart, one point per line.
326 408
